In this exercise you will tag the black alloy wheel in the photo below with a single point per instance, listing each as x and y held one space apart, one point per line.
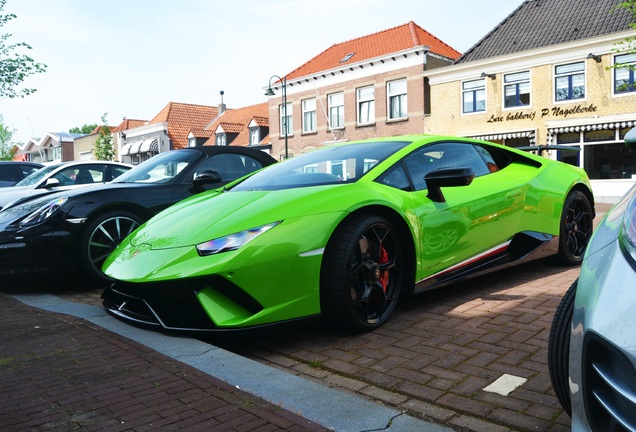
577 224
102 236
362 274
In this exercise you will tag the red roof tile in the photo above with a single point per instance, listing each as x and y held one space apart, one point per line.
182 118
389 41
128 124
238 120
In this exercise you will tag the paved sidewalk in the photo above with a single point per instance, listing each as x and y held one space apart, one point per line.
61 373
68 366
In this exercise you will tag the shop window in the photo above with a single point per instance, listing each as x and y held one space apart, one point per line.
569 81
624 81
609 161
517 89
474 96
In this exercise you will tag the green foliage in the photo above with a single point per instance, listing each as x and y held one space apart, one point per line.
104 148
629 44
7 149
86 129
14 67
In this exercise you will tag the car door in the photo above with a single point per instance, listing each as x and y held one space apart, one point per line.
473 219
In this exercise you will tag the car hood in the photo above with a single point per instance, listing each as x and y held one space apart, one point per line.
202 218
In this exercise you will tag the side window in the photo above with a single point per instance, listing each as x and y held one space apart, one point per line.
79 175
230 166
395 177
116 171
27 170
445 155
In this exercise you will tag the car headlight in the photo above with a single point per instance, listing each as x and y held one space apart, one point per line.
233 241
44 212
627 234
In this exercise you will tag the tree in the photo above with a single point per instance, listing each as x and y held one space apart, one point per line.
86 129
7 149
14 67
104 149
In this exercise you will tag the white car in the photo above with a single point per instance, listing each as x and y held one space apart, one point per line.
62 176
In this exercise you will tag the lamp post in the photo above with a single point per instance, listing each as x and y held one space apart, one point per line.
270 92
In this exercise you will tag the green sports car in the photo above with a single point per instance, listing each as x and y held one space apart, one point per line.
344 231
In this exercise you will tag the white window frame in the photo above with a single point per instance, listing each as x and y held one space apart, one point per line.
397 99
365 97
631 74
309 115
474 88
520 82
221 139
289 122
255 136
335 103
570 74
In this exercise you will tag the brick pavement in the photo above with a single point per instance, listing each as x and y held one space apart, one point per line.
61 373
434 358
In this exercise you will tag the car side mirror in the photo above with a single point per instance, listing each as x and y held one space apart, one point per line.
205 178
447 177
51 183
630 139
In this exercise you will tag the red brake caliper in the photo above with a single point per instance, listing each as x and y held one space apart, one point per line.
384 276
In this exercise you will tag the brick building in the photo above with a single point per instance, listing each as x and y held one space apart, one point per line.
366 87
545 75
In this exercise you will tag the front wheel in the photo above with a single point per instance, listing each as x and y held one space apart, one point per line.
362 274
559 348
577 223
102 235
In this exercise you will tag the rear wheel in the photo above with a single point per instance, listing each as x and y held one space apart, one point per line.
103 234
362 274
577 223
559 348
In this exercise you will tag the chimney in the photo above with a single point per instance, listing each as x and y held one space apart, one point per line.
221 105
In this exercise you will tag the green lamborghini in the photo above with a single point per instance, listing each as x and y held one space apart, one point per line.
345 231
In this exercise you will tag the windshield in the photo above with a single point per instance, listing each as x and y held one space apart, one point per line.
329 165
162 168
35 177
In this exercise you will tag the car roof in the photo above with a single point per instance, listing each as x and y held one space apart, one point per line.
21 163
256 153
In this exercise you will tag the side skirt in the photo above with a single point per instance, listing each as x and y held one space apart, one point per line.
523 247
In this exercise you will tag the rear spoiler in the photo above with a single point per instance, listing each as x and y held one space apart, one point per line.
541 148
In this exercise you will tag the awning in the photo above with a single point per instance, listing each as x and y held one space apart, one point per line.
134 147
149 145
530 134
125 150
589 127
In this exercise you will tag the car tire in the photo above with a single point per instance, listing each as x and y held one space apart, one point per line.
362 274
576 226
102 235
559 348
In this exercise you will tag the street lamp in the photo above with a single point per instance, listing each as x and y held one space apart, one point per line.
270 92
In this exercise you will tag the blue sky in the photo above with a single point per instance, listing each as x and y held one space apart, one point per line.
129 58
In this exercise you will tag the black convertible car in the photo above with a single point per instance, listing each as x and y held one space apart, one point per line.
76 230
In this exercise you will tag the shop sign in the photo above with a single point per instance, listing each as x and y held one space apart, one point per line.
545 112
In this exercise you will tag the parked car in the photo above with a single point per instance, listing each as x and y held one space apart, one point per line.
77 229
62 176
12 172
592 353
346 230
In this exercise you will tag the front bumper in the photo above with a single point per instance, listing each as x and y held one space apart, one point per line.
36 250
602 349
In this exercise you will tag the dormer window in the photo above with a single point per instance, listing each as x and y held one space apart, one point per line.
254 136
221 139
